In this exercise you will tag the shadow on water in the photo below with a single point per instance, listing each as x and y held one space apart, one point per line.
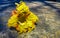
53 7
58 13
1 24
5 7
3 27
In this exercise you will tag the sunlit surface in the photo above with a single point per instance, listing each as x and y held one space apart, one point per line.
48 27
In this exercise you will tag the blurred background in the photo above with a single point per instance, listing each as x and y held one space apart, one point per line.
6 3
48 12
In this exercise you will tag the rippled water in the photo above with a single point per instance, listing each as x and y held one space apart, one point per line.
7 6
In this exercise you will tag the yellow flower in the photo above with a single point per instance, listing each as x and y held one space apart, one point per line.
23 20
